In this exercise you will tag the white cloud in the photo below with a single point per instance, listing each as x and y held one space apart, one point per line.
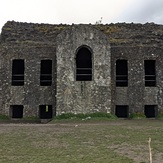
81 11
143 11
85 11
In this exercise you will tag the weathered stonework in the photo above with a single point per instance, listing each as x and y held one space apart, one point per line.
136 95
31 94
60 43
83 96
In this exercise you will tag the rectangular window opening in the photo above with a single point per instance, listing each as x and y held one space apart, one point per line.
150 73
121 73
46 73
150 111
122 111
16 111
18 72
45 111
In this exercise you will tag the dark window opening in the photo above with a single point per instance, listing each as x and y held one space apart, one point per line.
150 73
17 111
122 111
46 73
84 65
121 73
18 72
45 112
150 111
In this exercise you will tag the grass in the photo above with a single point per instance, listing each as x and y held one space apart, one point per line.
3 117
120 141
88 116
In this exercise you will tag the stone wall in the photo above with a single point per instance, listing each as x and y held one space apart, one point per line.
35 42
31 95
136 95
83 96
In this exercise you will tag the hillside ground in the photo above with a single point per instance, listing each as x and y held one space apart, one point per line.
76 141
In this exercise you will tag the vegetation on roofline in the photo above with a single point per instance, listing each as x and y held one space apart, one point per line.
46 29
108 29
118 33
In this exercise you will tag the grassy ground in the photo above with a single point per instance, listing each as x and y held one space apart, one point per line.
116 141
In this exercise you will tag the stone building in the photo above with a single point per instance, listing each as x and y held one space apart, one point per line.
47 70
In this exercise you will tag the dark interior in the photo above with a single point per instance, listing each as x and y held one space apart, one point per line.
17 111
121 111
46 73
150 111
18 72
84 65
121 73
150 74
46 111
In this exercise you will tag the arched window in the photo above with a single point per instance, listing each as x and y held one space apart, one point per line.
84 64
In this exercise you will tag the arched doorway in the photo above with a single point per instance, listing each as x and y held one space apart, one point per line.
84 64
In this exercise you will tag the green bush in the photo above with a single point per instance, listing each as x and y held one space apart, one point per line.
102 114
137 115
3 117
160 116
85 116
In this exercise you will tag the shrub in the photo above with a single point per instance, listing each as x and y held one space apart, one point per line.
86 116
160 116
3 117
137 115
102 114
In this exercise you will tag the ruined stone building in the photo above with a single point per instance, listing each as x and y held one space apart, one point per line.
47 70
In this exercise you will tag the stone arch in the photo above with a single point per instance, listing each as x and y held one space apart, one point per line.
83 63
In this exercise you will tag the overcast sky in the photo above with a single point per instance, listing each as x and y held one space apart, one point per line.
81 11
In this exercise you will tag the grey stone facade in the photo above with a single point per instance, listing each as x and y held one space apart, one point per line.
83 96
33 43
